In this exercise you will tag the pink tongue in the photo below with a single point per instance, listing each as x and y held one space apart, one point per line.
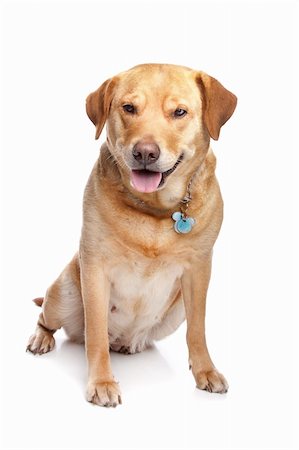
145 181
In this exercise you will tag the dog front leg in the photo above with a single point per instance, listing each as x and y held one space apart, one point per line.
101 389
195 282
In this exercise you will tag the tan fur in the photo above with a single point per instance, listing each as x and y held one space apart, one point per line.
135 279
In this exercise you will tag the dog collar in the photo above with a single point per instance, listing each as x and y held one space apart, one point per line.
183 224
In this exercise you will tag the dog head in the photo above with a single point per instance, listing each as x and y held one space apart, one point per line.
159 121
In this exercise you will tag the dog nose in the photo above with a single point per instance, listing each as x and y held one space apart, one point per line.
146 152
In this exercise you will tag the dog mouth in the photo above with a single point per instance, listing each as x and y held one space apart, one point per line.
148 181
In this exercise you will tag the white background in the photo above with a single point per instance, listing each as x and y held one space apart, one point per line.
53 55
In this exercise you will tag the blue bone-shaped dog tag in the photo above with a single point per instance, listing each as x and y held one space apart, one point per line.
182 224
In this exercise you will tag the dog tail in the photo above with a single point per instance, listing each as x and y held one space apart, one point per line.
38 301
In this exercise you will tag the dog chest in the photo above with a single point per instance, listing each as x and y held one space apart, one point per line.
141 292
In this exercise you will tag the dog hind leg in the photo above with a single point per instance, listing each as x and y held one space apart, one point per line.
61 307
42 341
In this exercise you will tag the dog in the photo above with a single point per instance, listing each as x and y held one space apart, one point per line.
152 212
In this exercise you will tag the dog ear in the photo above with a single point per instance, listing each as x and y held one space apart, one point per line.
218 103
98 104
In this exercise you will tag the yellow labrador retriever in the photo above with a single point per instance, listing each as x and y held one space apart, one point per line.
152 212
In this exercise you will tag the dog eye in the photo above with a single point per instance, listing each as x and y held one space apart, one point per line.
129 108
179 112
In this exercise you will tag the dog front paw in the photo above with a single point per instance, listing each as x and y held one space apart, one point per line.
104 393
211 381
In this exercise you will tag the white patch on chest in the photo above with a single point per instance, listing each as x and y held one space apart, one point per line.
141 293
